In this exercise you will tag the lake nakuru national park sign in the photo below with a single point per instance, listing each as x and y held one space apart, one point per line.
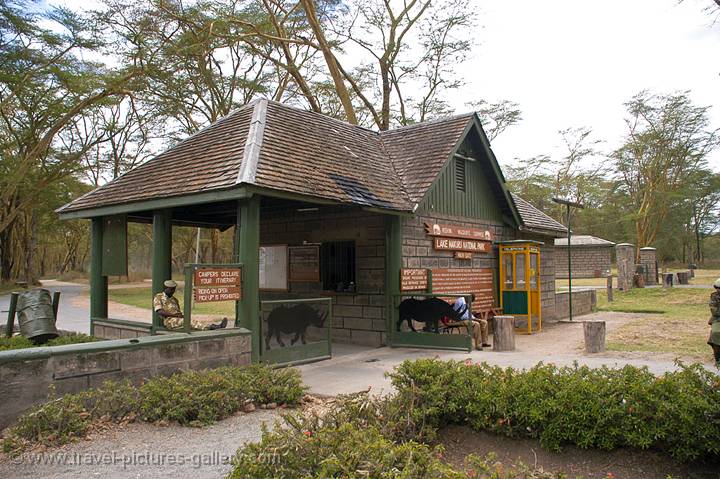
217 284
462 240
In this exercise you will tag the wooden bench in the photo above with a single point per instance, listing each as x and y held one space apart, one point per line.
486 314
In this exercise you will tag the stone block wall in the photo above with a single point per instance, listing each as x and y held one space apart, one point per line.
584 302
27 374
358 318
587 261
418 252
648 259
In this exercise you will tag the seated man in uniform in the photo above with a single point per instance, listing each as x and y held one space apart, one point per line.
479 326
167 307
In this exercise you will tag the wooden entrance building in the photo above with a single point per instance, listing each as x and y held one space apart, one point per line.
349 212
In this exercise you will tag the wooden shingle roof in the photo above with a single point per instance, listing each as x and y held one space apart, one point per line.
276 147
534 219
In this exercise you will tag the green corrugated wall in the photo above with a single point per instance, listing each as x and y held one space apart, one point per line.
477 201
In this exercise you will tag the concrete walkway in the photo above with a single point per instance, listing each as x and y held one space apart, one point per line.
355 368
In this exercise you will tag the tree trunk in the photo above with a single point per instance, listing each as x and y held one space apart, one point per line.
31 250
342 92
6 256
594 336
504 333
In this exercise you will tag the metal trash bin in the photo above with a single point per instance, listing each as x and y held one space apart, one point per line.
36 316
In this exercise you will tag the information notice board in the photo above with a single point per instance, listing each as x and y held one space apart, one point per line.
304 263
478 281
274 267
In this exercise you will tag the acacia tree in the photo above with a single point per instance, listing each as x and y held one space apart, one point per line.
46 85
667 142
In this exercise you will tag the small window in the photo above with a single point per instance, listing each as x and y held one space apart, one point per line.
520 271
337 266
460 174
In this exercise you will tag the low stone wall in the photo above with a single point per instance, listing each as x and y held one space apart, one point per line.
26 374
584 302
119 329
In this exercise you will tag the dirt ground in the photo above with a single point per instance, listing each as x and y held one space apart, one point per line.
459 441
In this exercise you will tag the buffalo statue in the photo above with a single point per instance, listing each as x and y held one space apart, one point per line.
289 320
429 311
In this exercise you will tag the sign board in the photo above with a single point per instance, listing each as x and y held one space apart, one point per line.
413 279
217 293
463 255
217 277
274 267
454 244
304 263
478 281
451 231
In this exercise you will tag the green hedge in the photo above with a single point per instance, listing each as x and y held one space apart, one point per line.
357 438
678 412
21 342
193 398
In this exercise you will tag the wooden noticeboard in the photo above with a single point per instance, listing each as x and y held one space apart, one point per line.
304 263
413 279
478 281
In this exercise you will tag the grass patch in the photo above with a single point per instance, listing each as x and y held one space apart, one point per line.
141 297
678 324
191 398
21 342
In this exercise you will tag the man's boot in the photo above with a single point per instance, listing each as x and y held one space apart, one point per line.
221 325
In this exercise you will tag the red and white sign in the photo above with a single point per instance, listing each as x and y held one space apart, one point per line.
454 244
451 231
217 293
478 281
218 277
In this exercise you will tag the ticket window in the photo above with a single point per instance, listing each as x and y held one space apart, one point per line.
520 293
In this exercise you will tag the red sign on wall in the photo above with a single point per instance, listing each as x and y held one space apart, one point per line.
478 281
454 244
451 231
413 279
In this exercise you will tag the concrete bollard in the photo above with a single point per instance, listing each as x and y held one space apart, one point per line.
594 336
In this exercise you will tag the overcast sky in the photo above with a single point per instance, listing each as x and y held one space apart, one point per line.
572 63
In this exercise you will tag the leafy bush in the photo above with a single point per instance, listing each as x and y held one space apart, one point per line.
21 342
56 422
188 397
351 440
592 408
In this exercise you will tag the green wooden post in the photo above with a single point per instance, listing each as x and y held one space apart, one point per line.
248 244
393 264
187 302
162 251
11 315
98 282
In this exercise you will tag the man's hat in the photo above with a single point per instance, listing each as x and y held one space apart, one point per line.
170 284
717 283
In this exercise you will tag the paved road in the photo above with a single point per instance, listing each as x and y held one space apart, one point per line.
70 317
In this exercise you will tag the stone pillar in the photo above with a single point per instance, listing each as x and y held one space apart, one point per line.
625 257
648 259
393 263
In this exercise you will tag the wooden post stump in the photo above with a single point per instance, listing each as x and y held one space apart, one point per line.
609 288
683 277
504 333
594 336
